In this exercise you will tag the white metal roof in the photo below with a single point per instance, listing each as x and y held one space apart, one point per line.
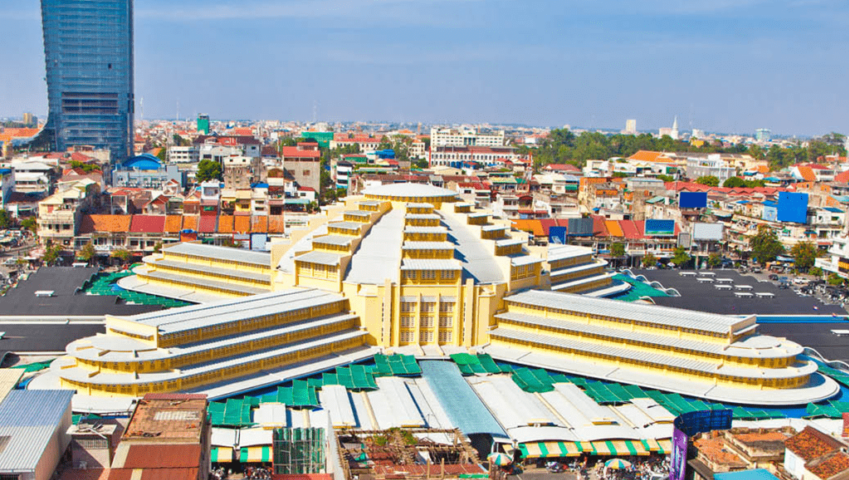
357 213
334 399
321 258
519 260
224 253
511 406
651 314
508 242
379 253
409 190
658 413
414 229
30 418
489 228
333 240
225 311
560 252
393 405
346 225
271 415
429 264
230 272
410 245
422 216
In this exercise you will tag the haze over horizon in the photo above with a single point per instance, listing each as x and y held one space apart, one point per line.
725 66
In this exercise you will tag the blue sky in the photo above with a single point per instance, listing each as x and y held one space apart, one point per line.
720 65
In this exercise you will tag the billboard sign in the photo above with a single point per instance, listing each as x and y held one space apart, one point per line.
708 231
678 465
557 235
792 207
843 265
660 227
684 240
687 200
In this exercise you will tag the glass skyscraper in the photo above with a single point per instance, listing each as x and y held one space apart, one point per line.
88 49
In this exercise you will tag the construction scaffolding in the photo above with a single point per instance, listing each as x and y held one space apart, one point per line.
298 451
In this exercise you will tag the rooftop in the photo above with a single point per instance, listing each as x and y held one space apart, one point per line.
234 254
168 417
652 314
409 190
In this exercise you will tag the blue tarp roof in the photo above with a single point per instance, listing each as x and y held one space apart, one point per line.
144 161
757 474
462 405
742 202
770 203
833 210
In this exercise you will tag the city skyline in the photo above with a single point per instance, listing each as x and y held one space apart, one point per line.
726 67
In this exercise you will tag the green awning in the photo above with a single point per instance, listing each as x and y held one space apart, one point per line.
260 454
221 454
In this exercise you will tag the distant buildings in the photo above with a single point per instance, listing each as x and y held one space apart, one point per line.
89 59
304 162
203 124
763 134
630 127
448 137
146 171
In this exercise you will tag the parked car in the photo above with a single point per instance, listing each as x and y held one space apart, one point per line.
773 276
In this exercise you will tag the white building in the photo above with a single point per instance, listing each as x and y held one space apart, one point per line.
711 166
449 137
31 176
183 154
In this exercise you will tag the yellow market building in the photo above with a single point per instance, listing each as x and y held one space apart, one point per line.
411 267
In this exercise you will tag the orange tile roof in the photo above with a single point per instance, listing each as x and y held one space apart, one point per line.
275 224
763 169
242 224
810 444
259 224
173 223
225 224
613 228
807 173
533 226
190 222
649 156
105 223
837 463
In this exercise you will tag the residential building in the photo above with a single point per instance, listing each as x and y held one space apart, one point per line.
241 172
7 185
32 176
812 454
59 214
168 436
89 59
449 137
218 148
304 163
712 166
343 172
183 154
146 171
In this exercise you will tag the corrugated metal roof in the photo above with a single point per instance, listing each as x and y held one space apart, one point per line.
676 317
232 254
409 190
186 318
333 240
461 404
29 418
427 246
429 264
321 258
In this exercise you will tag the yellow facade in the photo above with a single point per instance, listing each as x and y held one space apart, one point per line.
425 306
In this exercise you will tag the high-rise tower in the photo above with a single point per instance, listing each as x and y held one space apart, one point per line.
88 50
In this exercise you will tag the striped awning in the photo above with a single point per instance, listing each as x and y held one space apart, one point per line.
255 454
665 446
621 447
221 454
549 450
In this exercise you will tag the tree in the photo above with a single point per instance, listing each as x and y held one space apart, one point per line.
734 182
157 247
122 254
52 253
161 154
815 271
765 245
229 242
649 260
617 250
30 223
5 219
87 252
709 180
804 253
714 260
208 170
666 178
84 166
680 258
835 279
